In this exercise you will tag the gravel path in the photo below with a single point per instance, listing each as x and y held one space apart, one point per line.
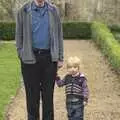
104 85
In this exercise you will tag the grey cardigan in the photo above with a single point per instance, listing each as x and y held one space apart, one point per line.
24 34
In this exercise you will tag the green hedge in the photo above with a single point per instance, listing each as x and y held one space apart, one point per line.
71 30
77 30
114 27
106 41
116 35
7 30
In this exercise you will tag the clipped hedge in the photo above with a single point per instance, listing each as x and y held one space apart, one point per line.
106 41
117 36
77 30
7 30
71 30
114 27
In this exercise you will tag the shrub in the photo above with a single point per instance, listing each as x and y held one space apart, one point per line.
77 30
7 30
71 30
114 27
106 41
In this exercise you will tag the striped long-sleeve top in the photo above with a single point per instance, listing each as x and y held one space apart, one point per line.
75 86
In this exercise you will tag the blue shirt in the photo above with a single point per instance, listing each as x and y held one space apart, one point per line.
40 27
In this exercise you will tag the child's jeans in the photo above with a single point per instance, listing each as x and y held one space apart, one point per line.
75 109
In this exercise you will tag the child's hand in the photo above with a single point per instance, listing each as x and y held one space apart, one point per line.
57 78
85 103
60 64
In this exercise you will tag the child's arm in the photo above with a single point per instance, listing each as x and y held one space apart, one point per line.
85 89
60 82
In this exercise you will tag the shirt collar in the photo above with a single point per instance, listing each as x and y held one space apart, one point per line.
41 10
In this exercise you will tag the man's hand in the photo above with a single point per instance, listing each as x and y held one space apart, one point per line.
60 64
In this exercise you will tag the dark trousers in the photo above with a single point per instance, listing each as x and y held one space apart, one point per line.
75 110
39 77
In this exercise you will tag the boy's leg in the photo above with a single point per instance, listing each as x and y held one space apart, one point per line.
79 112
75 111
69 110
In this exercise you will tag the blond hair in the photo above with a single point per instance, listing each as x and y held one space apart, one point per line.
73 62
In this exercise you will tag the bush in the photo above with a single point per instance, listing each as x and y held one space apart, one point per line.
7 30
106 41
117 36
77 30
71 30
114 27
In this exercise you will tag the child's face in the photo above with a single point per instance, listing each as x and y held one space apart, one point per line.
72 70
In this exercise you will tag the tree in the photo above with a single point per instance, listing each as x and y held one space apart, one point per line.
10 6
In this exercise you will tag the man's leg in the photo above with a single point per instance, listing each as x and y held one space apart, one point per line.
48 90
32 88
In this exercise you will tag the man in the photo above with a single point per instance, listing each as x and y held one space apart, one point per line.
39 41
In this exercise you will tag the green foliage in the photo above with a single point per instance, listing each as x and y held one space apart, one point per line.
114 27
7 30
116 35
9 75
77 30
71 30
106 41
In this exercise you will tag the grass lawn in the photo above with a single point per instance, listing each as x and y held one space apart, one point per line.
9 75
